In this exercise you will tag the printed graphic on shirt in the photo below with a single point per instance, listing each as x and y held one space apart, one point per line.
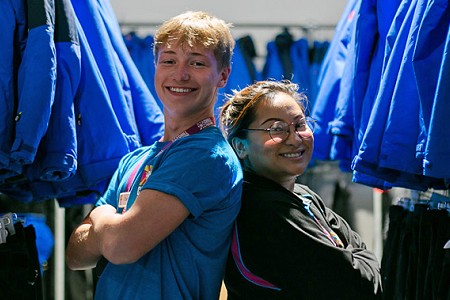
145 174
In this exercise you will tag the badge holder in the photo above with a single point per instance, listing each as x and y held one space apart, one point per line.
7 226
20 276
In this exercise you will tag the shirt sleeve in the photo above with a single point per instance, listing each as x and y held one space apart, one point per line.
120 178
198 174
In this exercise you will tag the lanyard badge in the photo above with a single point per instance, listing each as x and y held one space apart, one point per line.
147 171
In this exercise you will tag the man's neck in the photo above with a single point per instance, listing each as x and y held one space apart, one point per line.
173 127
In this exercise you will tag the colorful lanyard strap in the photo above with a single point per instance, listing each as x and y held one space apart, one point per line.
330 234
237 257
199 126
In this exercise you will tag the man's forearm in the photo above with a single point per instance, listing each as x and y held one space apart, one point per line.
82 249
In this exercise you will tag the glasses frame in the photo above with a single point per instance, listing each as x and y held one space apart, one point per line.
308 121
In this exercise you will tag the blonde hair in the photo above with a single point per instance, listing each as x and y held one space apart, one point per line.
240 109
197 28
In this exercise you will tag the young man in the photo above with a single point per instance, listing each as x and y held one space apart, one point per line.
164 223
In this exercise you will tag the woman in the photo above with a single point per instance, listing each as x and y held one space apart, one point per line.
286 243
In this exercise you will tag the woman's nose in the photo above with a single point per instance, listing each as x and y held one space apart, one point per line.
293 136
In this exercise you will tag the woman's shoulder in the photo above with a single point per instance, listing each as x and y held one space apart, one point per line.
264 190
303 189
306 192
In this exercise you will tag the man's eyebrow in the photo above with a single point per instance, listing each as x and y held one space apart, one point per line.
168 51
196 54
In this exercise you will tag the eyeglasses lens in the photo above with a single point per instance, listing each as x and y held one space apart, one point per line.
279 130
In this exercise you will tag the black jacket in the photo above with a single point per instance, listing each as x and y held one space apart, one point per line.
281 243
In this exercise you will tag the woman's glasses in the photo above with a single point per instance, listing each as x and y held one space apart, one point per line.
279 130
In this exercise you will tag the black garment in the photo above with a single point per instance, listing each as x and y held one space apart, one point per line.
248 50
436 260
20 274
415 265
281 243
425 233
389 262
444 282
284 41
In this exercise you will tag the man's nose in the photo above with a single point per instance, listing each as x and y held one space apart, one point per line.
181 73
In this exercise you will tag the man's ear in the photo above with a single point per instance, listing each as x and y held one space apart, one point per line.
240 146
224 75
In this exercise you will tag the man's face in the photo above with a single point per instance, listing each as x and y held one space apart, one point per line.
187 78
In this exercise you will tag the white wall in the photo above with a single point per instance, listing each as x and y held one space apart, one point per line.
239 11
296 12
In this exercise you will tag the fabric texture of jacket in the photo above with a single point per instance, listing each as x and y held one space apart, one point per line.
280 242
37 72
13 39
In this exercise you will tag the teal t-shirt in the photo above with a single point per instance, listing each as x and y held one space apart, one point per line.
203 172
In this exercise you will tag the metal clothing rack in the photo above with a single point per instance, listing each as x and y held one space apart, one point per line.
305 28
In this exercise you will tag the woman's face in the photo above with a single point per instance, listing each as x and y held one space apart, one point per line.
286 159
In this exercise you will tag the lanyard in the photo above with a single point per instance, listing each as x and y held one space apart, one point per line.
199 126
330 234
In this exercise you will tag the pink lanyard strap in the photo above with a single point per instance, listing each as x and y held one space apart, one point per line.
236 252
133 174
199 126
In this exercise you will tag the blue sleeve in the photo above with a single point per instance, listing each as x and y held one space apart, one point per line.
120 178
110 67
147 113
199 176
9 60
329 81
60 144
37 72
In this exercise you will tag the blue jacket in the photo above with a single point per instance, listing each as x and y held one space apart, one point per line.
368 157
141 51
242 74
430 62
289 63
110 67
84 139
36 84
398 143
301 65
329 81
319 50
37 72
342 127
372 28
388 147
147 114
360 79
58 150
100 137
436 157
13 38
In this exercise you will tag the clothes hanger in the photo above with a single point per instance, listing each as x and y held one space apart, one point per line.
7 226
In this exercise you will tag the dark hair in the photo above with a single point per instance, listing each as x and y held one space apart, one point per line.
239 111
